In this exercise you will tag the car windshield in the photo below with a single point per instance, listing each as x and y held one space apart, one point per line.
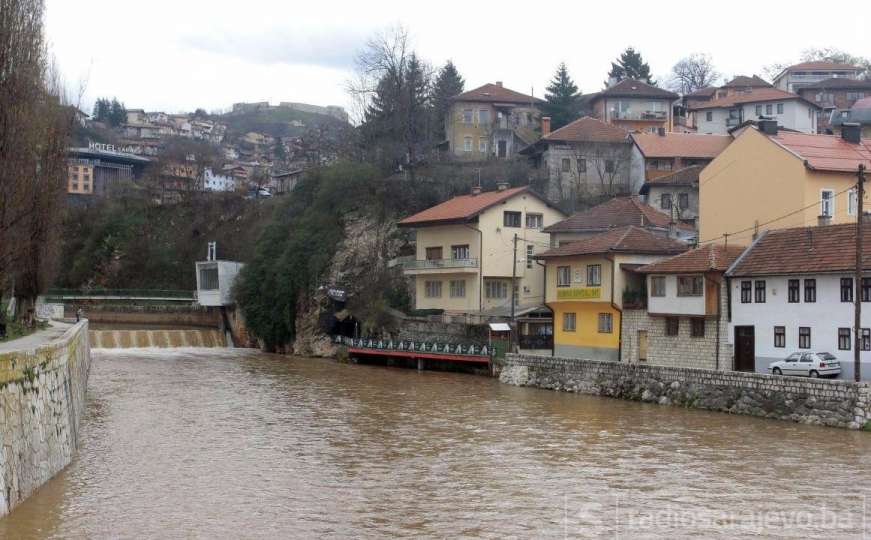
826 356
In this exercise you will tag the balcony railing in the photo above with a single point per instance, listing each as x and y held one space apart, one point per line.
428 264
535 342
639 115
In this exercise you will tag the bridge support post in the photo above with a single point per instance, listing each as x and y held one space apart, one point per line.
420 365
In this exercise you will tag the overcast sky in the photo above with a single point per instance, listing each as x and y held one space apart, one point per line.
177 55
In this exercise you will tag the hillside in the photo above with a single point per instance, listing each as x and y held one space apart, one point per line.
277 122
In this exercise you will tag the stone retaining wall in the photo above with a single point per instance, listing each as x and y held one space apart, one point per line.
42 397
811 401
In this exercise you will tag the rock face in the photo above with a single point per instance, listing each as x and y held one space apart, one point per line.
360 259
833 403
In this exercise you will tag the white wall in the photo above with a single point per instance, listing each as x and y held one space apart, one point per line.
795 116
671 303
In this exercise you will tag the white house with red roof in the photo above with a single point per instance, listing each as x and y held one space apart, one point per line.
791 111
794 77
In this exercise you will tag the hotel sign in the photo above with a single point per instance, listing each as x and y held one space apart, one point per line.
579 293
104 147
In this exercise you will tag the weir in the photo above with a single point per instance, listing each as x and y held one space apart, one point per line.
161 338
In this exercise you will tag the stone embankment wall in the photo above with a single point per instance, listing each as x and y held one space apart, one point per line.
139 314
811 401
414 329
42 397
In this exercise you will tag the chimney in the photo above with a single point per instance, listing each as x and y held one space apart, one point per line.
661 131
499 84
501 186
545 125
476 190
851 132
767 126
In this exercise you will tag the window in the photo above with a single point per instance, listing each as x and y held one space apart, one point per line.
657 286
683 201
760 291
780 336
843 339
810 290
582 165
209 278
569 322
605 322
458 288
672 326
433 289
563 276
511 219
768 109
460 252
594 275
866 289
530 252
483 116
665 201
865 342
827 203
467 116
709 116
698 328
566 165
853 96
482 145
793 294
852 202
690 285
804 337
662 164
496 289
467 144
746 288
846 289
433 253
759 110
609 166
780 108
534 221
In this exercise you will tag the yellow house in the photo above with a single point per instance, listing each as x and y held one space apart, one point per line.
586 281
491 121
465 252
771 179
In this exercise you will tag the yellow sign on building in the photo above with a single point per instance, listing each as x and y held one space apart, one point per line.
580 293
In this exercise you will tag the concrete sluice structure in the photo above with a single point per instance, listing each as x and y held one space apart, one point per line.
128 339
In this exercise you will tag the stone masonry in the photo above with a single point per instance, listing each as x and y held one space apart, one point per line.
833 403
42 397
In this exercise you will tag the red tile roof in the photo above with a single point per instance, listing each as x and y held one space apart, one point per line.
629 239
708 258
588 129
804 250
688 176
617 212
744 81
494 93
633 88
756 95
703 92
462 208
688 145
825 152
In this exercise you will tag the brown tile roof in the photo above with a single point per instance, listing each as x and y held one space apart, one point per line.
756 95
689 145
628 239
688 176
633 88
462 208
707 91
588 129
821 65
804 250
708 258
743 81
617 212
836 83
825 152
494 93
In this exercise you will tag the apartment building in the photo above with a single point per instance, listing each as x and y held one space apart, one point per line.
96 171
466 246
833 95
634 106
675 194
719 116
793 78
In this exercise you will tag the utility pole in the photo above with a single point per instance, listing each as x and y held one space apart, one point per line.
513 288
857 296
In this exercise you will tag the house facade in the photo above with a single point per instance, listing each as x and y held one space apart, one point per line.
589 280
791 111
684 320
664 153
793 291
635 106
465 252
676 194
834 95
793 78
805 180
859 115
491 122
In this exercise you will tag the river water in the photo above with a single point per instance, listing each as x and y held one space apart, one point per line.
212 443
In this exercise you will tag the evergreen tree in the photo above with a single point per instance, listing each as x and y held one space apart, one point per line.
561 98
118 114
630 65
448 84
102 110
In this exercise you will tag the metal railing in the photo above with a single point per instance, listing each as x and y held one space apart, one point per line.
639 115
426 264
121 293
535 342
412 346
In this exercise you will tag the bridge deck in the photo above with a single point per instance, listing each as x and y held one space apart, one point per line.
476 359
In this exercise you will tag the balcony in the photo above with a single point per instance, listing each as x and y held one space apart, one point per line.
440 266
658 116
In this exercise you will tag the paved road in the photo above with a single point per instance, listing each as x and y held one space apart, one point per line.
54 331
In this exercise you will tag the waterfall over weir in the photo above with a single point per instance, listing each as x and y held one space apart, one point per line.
128 339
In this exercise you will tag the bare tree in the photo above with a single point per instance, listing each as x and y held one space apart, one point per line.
597 169
692 73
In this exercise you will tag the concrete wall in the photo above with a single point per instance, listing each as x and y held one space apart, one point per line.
593 181
148 315
809 401
42 397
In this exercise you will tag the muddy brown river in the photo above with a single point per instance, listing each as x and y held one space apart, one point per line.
220 443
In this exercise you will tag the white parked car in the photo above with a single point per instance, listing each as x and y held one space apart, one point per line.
807 364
